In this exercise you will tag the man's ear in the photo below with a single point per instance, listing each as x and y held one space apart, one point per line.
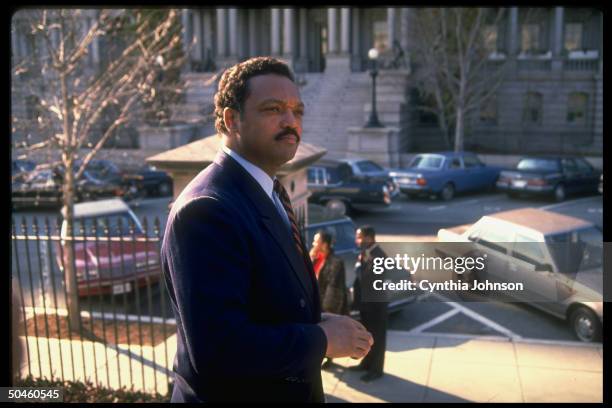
231 118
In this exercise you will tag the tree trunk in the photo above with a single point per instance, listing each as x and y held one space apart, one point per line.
72 290
459 129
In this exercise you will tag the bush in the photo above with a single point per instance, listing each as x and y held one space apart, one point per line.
76 391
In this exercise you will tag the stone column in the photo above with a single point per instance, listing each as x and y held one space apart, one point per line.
303 25
253 33
356 40
332 33
197 33
221 39
208 36
405 29
558 33
288 33
275 32
391 26
513 32
345 26
233 32
187 30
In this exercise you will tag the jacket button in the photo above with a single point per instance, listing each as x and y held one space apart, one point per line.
302 303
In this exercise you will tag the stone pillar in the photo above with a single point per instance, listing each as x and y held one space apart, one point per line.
405 30
187 30
233 32
391 26
221 39
208 36
513 32
332 33
288 33
345 26
275 32
253 33
197 34
302 64
558 33
356 56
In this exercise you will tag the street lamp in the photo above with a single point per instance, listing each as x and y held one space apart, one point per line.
373 122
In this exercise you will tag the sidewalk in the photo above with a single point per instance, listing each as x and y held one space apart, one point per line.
431 368
418 368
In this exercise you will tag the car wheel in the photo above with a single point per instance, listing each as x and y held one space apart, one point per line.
337 206
559 193
448 192
585 324
164 189
512 195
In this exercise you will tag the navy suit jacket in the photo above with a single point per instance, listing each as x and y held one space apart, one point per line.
246 304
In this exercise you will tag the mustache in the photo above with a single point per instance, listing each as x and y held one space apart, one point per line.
287 132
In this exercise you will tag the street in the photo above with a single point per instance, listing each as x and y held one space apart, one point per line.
406 219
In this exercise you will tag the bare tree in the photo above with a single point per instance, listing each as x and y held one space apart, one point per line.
73 95
455 69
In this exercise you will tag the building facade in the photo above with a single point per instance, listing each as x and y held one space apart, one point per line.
549 102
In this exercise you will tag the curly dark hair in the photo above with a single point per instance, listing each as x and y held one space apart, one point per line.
233 87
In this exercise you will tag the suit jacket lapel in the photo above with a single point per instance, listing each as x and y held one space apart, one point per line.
270 217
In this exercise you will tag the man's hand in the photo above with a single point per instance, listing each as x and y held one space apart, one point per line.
345 336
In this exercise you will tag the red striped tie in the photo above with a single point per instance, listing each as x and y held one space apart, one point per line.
284 198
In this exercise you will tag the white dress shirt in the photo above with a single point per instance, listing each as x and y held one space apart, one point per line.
263 179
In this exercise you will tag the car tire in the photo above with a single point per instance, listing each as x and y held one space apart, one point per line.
164 189
559 193
512 195
448 192
585 324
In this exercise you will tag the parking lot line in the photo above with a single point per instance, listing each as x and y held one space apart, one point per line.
435 321
478 317
568 202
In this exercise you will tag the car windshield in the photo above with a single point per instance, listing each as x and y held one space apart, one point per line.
538 164
427 162
368 166
117 224
577 250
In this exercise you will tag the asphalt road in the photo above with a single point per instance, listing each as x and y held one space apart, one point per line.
413 219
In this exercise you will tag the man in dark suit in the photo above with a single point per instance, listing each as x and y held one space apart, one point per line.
373 311
241 284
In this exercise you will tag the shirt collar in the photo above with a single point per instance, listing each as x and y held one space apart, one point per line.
264 180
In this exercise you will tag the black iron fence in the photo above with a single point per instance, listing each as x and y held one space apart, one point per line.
121 333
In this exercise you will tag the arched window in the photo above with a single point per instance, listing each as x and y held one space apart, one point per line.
577 108
532 113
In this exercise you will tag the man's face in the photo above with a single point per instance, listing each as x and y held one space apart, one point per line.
270 126
362 241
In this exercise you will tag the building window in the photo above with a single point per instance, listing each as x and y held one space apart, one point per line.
532 115
381 36
530 38
573 36
576 108
488 111
490 38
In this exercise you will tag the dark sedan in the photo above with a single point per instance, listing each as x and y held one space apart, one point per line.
550 176
151 181
43 188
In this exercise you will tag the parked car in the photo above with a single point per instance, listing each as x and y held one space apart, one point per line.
339 185
114 266
444 174
43 188
558 259
151 181
20 166
342 230
550 176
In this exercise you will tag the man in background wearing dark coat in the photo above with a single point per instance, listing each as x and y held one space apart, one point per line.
241 284
373 313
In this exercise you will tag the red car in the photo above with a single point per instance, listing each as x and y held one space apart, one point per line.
109 258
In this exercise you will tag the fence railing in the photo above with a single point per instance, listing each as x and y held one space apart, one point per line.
123 336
